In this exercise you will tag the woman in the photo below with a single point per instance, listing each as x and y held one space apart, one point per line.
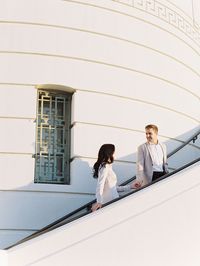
107 188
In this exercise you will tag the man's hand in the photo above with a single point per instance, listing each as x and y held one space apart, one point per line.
136 184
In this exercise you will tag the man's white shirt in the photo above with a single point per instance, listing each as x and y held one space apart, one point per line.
157 157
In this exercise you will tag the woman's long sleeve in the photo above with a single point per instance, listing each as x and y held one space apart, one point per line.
123 188
103 172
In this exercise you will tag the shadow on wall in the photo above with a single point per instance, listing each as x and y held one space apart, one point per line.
26 210
124 166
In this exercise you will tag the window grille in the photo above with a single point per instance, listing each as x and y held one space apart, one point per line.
52 137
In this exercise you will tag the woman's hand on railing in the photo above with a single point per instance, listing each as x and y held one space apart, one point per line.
96 206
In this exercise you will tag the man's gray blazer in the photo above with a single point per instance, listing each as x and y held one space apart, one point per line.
144 170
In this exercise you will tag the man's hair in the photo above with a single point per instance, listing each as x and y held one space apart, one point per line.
154 127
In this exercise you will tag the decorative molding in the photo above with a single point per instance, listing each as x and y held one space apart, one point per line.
142 101
16 153
137 18
18 229
18 118
95 158
55 87
88 60
75 123
166 14
106 36
37 188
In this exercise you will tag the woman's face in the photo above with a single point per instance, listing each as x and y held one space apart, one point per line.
109 160
114 155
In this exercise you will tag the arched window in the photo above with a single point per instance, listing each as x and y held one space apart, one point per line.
53 137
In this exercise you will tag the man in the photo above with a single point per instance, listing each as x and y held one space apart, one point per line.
151 158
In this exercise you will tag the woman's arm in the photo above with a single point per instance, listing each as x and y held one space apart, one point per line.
96 206
127 187
124 188
102 175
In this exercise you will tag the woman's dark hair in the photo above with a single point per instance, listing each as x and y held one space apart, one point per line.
105 156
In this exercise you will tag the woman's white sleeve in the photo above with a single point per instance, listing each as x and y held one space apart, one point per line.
102 175
123 188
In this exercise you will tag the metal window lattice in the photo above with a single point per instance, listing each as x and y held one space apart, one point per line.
52 138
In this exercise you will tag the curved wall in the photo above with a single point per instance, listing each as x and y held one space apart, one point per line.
130 63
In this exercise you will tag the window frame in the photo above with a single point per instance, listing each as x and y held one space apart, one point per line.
67 134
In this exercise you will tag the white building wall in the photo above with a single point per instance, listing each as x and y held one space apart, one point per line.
196 13
130 63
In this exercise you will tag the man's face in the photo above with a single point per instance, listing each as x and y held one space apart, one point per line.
151 136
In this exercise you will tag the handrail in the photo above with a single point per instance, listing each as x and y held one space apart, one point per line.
57 225
193 138
157 180
88 205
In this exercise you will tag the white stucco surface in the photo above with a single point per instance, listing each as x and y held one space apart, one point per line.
129 63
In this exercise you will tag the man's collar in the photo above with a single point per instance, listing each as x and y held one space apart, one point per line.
151 143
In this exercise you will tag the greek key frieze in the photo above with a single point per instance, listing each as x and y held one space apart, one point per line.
165 13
